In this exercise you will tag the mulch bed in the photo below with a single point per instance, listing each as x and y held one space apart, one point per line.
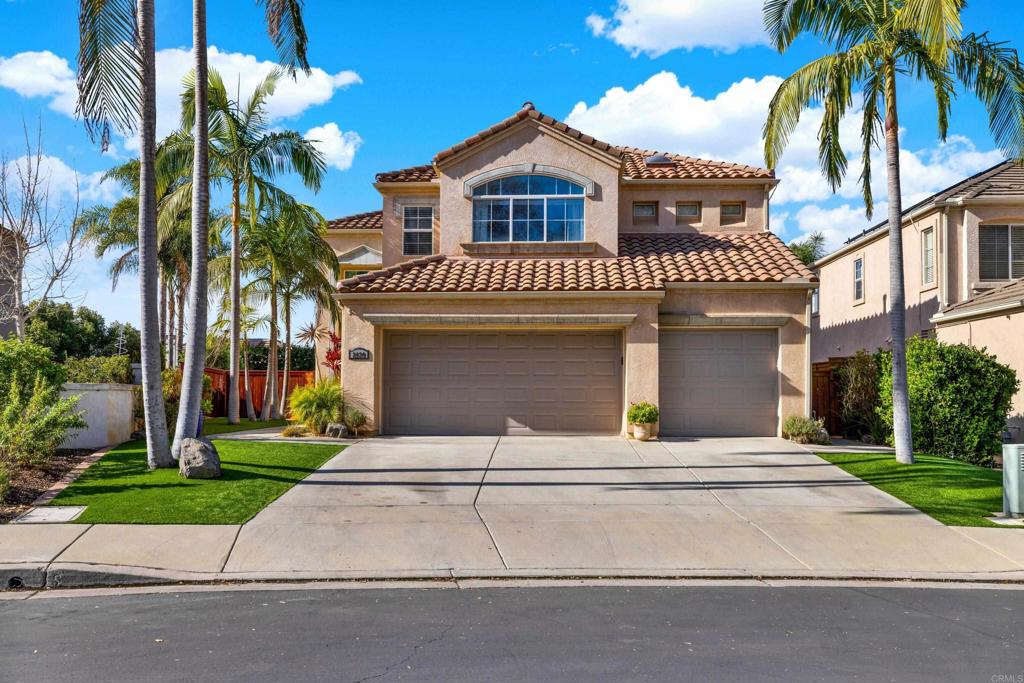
28 483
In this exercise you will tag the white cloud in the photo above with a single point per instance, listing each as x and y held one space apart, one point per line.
338 146
655 27
44 74
63 183
41 74
837 224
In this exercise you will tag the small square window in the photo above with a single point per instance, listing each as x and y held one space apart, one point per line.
733 212
645 209
687 212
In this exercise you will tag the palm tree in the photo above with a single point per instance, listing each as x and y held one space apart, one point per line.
874 41
288 33
311 333
117 85
247 156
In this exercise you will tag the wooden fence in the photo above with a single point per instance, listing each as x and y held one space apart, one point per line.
258 383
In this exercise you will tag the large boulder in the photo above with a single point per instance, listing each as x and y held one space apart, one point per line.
198 459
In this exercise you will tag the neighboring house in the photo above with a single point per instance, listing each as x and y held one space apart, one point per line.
536 280
961 248
7 251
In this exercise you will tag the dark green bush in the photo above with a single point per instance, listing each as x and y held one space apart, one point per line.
858 395
26 360
317 405
959 399
34 423
800 429
5 481
99 370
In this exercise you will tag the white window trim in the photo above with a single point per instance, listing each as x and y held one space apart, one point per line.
406 229
861 279
1009 249
925 260
741 217
545 197
694 217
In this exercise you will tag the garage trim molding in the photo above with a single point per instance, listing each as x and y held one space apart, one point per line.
415 320
684 320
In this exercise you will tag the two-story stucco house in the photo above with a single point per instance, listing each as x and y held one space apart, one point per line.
535 280
963 251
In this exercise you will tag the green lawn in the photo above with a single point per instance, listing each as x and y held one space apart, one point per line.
953 492
219 425
119 488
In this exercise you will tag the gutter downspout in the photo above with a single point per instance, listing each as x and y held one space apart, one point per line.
808 375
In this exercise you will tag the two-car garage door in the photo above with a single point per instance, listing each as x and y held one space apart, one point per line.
719 382
502 382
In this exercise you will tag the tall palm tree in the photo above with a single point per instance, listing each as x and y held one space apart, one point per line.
288 33
246 156
117 86
310 334
284 251
874 42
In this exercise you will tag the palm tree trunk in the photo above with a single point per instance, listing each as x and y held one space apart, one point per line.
179 336
902 436
195 347
236 303
250 411
171 313
287 353
163 317
158 452
270 395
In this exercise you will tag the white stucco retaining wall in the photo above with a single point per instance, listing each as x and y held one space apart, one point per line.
108 413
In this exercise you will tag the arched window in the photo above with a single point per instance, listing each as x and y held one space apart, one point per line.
528 208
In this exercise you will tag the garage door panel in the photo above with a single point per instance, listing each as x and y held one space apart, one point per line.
502 383
718 382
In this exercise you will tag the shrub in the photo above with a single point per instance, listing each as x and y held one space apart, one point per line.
292 431
642 413
27 360
33 425
315 405
99 370
858 395
959 399
354 420
800 429
5 482
172 395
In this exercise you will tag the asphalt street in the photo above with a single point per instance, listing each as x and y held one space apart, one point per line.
647 633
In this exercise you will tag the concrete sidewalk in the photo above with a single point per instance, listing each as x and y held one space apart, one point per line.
437 507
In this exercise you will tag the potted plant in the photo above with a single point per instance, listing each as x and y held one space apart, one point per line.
642 416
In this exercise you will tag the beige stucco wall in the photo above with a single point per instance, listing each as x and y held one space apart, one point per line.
844 326
395 199
108 411
536 144
792 361
640 338
710 197
1003 336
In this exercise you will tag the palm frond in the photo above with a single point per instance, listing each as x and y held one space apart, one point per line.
993 72
109 66
936 23
287 32
841 23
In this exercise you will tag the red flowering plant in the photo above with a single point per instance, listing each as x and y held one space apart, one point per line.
332 358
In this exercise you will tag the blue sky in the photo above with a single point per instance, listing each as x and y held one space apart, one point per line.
396 81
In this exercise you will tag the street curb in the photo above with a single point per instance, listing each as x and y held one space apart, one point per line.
64 575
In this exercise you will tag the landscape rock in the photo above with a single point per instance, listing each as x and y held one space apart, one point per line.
336 430
198 460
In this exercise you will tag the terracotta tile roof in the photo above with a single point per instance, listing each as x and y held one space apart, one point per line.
633 159
646 263
413 174
1006 294
634 166
371 220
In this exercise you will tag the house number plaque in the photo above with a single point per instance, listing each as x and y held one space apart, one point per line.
359 354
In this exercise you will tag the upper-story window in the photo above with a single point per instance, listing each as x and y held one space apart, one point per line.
928 256
1000 252
645 213
733 212
418 230
687 212
528 208
858 280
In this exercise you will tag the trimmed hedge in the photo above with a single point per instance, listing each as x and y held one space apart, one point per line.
959 399
99 370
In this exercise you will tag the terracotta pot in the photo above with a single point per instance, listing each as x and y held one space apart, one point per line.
642 432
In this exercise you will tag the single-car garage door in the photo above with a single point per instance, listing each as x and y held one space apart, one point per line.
502 382
719 382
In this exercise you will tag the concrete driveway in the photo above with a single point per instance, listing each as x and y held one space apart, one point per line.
598 505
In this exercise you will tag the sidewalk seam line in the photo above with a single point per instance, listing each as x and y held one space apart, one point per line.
733 511
986 546
227 557
494 542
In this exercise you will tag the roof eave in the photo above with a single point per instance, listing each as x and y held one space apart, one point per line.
760 180
980 311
